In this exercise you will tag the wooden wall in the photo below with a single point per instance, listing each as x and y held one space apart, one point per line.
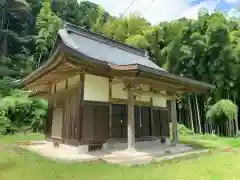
71 129
64 111
83 101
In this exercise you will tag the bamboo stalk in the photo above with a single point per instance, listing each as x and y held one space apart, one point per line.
198 115
191 114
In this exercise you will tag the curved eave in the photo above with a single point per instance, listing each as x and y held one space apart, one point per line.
64 51
56 58
184 80
163 76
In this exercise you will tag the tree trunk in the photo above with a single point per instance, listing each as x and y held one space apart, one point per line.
236 119
191 113
4 45
198 115
39 59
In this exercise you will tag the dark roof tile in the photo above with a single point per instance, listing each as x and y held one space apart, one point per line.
102 48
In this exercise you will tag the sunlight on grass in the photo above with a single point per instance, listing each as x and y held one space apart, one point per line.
26 165
10 139
16 163
210 141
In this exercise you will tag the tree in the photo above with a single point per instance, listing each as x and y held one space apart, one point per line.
14 17
47 25
222 113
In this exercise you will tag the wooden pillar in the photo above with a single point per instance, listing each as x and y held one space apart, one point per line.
174 122
131 124
151 116
81 104
50 110
110 108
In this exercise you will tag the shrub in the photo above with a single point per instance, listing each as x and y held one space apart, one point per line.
19 112
224 110
183 130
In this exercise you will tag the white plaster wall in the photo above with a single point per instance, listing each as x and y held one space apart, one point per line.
96 88
57 123
159 101
73 81
143 98
118 91
60 85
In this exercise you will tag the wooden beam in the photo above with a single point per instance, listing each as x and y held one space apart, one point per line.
158 84
89 69
155 94
125 101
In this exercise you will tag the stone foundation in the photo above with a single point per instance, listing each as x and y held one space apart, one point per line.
83 149
112 145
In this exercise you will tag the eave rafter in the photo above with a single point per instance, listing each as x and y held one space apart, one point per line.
157 85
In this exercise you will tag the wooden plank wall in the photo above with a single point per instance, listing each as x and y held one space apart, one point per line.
71 128
70 100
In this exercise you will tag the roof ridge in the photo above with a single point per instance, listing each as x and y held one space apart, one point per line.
96 36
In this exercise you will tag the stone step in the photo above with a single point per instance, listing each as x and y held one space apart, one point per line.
130 160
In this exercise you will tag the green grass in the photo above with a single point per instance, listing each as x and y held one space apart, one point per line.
17 164
9 139
210 141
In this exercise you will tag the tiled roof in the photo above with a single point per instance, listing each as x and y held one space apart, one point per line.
101 48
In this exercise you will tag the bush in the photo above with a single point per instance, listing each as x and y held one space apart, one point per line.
224 110
182 130
19 112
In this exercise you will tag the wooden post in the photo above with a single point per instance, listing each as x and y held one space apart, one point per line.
50 111
81 104
110 108
151 116
174 122
131 125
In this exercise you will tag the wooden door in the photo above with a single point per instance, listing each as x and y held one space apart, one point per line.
88 122
164 120
95 122
156 122
57 120
48 122
145 121
161 122
101 128
119 121
137 121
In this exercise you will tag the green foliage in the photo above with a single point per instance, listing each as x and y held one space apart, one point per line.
18 112
182 130
223 110
47 25
205 49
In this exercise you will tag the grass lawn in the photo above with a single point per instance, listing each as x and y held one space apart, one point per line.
20 138
211 141
218 165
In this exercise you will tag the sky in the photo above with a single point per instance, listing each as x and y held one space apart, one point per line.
165 10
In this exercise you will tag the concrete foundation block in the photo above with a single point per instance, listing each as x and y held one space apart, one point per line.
68 148
82 149
168 141
105 147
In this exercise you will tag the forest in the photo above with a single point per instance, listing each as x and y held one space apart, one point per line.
206 49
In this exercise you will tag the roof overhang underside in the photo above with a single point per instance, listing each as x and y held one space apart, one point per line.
66 62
